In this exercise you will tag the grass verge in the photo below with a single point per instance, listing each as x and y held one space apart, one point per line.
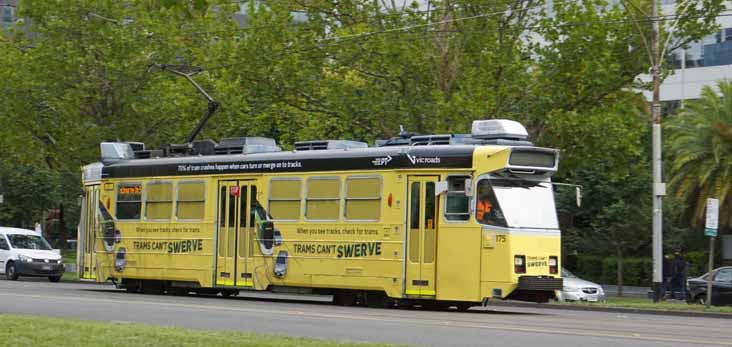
69 255
22 331
647 304
69 276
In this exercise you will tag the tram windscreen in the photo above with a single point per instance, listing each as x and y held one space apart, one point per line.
522 203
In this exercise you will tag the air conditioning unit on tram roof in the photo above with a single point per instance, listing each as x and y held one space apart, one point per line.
247 145
328 144
115 151
499 129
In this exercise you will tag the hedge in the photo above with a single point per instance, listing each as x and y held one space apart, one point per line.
637 271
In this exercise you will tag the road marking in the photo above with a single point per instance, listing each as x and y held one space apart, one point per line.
456 324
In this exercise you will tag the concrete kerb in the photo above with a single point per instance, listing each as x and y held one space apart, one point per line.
611 309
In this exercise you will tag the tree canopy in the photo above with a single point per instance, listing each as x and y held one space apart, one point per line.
78 72
700 146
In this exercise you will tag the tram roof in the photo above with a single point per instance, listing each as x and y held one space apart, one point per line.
371 158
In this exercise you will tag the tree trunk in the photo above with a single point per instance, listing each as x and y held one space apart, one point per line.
619 251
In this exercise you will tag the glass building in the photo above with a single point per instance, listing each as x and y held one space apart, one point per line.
7 12
699 64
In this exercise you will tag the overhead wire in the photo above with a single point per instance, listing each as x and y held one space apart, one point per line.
409 30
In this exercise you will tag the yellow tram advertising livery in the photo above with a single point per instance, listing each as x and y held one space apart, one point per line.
438 220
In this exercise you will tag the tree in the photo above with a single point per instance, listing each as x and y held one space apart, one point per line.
28 192
355 69
700 147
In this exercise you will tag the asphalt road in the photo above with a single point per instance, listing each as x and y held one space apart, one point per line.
492 326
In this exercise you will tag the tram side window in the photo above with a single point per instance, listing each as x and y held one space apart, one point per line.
129 200
159 201
191 200
457 204
284 199
323 198
363 198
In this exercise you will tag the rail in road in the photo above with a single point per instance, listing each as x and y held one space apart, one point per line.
504 326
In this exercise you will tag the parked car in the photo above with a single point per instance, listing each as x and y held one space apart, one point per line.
577 289
721 287
25 252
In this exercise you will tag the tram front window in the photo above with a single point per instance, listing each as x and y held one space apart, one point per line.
516 203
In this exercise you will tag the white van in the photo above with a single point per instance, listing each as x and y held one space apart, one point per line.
25 252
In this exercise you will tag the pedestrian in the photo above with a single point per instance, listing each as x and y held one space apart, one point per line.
678 276
666 285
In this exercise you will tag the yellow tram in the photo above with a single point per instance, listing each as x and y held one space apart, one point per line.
431 219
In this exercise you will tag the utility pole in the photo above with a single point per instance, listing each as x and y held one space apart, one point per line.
659 188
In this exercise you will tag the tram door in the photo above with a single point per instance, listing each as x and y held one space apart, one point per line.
421 235
235 233
88 231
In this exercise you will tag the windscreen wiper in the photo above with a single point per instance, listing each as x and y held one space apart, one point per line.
520 181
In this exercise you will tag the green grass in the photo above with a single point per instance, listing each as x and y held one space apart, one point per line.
22 331
69 255
647 304
70 276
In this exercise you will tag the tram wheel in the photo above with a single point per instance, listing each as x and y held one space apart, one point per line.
228 293
378 300
432 305
153 287
177 291
344 299
463 307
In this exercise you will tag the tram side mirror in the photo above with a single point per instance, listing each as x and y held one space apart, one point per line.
440 187
120 261
468 187
277 237
266 237
280 268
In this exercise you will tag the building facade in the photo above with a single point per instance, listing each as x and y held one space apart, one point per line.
700 64
7 12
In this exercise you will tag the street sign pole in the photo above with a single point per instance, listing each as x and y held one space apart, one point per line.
710 275
710 229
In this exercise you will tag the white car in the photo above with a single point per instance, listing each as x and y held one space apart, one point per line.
577 289
25 252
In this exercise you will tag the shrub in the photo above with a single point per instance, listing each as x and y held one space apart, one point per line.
637 271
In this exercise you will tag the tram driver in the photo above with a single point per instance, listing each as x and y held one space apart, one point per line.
484 211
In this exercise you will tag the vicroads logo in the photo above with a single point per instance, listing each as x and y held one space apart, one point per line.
423 160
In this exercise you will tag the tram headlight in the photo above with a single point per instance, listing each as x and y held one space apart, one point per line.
553 262
519 264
